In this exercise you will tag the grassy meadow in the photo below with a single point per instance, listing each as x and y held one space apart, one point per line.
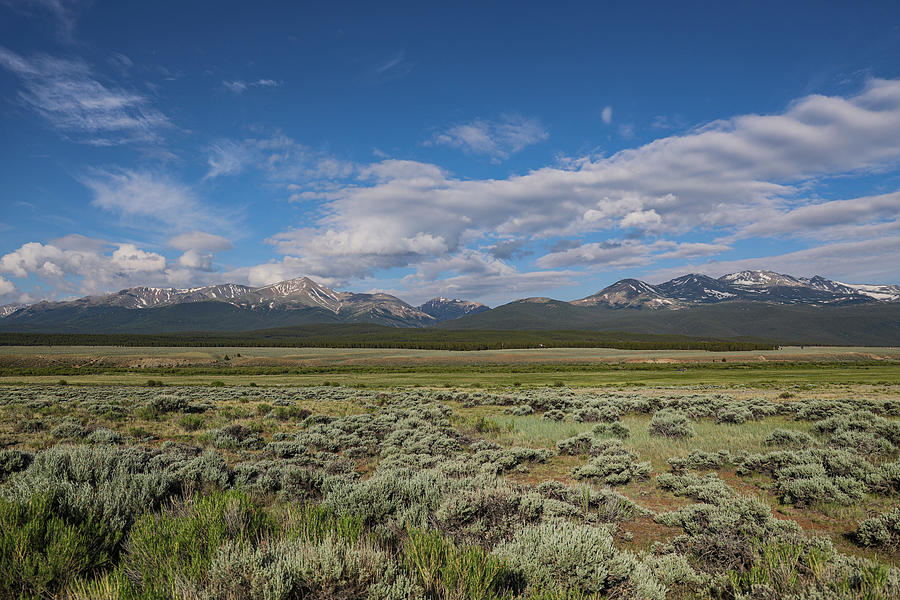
353 474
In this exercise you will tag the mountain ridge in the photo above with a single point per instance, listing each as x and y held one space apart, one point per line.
234 307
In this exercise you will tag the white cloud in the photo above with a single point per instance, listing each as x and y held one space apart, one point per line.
627 253
130 259
497 139
7 287
395 67
475 275
606 115
719 178
644 219
303 171
93 270
288 267
61 11
66 94
864 261
239 86
200 240
827 218
140 196
195 260
227 158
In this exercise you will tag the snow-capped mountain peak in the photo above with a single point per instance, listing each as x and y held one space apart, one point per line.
304 291
628 293
444 309
761 278
885 293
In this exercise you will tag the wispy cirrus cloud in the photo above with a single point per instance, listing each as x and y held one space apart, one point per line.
302 171
239 86
227 157
396 66
70 97
496 139
61 12
143 197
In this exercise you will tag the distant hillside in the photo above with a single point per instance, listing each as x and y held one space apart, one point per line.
867 325
363 335
762 304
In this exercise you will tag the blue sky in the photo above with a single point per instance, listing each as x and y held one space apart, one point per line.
487 151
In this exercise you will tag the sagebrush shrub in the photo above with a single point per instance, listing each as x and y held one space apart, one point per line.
720 535
789 438
700 460
670 423
612 464
882 531
560 557
13 461
284 570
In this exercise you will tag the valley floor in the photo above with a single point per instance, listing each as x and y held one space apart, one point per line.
782 482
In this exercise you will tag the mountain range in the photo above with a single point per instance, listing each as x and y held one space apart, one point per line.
748 303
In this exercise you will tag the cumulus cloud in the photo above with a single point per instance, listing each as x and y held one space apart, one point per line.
130 259
289 267
95 269
195 260
67 94
496 139
7 287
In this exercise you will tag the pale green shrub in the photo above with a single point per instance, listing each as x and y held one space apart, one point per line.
13 461
563 557
882 531
670 423
612 464
700 460
102 435
709 489
719 535
614 429
284 570
789 438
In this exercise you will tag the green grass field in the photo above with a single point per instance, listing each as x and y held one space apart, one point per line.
447 475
